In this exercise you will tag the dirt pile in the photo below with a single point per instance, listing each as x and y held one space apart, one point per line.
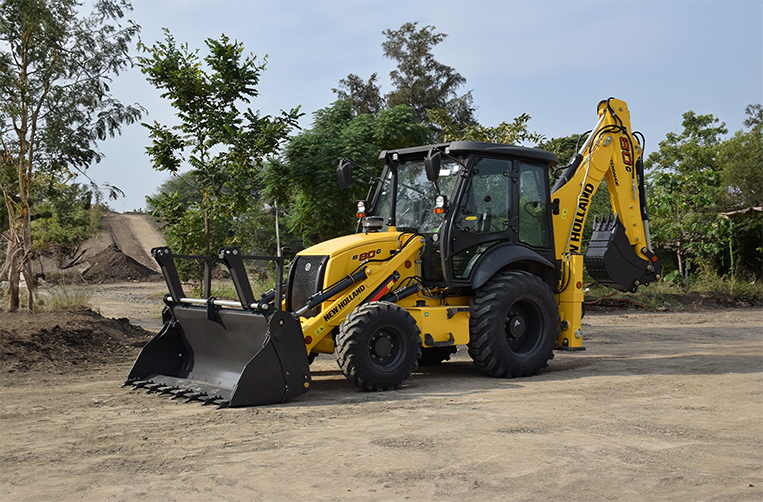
111 265
66 341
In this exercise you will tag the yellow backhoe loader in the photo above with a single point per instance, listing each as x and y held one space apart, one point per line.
461 243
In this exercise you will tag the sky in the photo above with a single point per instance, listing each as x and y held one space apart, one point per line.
554 60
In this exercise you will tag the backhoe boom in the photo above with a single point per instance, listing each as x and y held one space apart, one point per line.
619 254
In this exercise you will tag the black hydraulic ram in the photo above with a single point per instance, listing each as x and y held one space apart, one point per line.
229 353
322 296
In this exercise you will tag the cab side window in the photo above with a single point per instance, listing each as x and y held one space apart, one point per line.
485 205
533 206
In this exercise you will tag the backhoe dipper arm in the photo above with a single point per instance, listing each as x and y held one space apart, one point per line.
619 254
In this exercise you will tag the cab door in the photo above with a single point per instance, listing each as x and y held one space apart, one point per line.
482 218
504 201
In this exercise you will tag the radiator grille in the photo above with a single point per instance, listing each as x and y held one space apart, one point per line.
305 279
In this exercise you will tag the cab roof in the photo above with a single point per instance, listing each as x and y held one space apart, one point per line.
467 147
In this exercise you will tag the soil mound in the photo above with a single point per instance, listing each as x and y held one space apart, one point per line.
66 340
112 265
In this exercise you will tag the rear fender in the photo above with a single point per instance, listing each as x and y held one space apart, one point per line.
504 255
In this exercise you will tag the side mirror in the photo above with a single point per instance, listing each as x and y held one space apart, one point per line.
344 173
432 165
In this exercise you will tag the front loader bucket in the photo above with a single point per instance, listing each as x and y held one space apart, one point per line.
239 359
612 261
211 351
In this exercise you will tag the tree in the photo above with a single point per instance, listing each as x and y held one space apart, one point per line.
694 149
364 97
683 189
223 145
740 162
64 217
683 212
184 184
515 132
55 104
420 81
564 147
304 181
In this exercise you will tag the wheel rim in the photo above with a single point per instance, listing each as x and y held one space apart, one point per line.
385 348
524 326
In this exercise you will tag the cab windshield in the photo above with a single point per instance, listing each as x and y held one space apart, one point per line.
416 195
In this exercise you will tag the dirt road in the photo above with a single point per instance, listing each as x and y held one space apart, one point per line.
134 236
662 406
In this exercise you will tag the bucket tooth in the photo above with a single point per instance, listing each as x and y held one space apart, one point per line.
153 387
212 400
140 384
223 405
177 394
194 396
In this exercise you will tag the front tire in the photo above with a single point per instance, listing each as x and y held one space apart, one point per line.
514 325
378 346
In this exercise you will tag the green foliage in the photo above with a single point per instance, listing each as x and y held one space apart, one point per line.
693 176
364 97
224 146
740 161
693 150
184 184
515 132
305 177
63 218
564 147
66 297
683 212
740 248
420 81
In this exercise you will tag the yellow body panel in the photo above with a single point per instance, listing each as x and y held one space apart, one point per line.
570 303
381 254
434 321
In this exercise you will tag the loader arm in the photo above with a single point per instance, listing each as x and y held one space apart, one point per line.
619 254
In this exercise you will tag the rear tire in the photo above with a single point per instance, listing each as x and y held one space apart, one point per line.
514 325
378 346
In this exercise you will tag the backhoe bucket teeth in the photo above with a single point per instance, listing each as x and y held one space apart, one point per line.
612 261
239 359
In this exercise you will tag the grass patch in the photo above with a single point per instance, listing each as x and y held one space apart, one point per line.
64 297
53 299
700 291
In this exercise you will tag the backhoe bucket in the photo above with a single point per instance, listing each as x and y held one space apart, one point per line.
612 261
222 355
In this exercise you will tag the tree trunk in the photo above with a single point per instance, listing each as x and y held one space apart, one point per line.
13 281
680 264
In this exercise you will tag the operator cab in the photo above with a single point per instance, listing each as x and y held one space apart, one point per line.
479 206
